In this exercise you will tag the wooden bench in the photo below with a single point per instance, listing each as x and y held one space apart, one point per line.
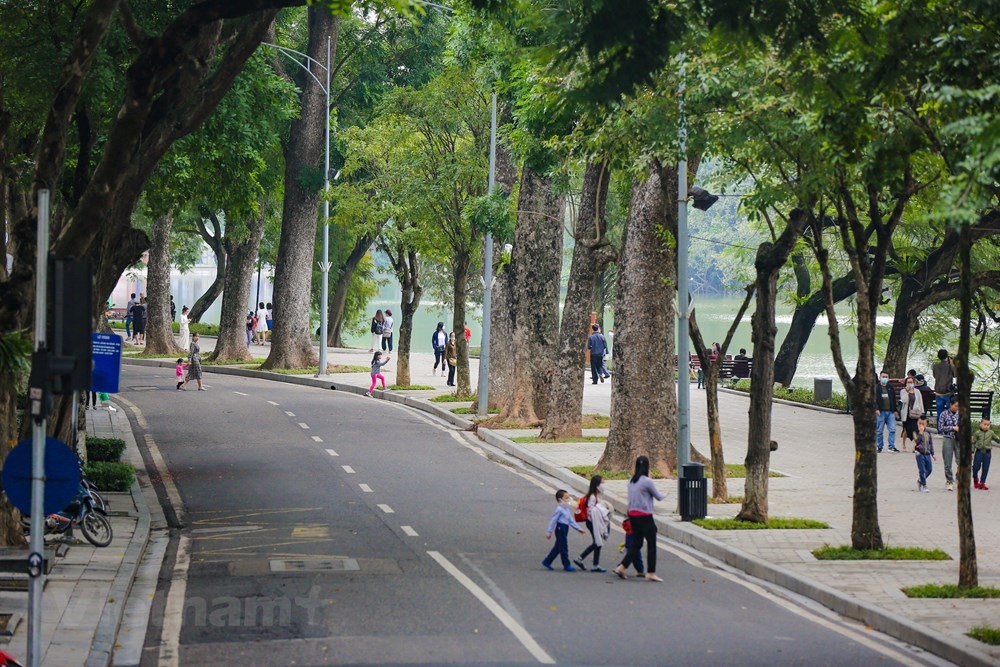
735 369
980 402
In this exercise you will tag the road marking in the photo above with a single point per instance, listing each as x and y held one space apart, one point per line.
311 530
365 488
173 612
240 393
273 403
516 629
387 509
304 426
290 414
409 531
348 469
316 438
332 453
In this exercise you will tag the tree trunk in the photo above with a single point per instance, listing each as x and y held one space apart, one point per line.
803 322
968 568
232 343
643 390
904 324
460 294
407 268
770 258
535 267
11 534
214 240
159 328
338 301
291 340
591 253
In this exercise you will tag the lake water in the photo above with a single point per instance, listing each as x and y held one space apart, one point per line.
715 314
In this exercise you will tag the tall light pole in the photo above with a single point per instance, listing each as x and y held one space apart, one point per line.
324 266
482 408
683 307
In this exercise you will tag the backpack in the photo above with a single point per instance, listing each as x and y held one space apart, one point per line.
581 509
377 327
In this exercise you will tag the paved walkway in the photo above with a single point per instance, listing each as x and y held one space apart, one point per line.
816 455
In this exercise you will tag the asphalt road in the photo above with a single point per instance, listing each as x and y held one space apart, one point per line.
316 527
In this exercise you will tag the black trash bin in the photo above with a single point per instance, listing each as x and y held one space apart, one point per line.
693 492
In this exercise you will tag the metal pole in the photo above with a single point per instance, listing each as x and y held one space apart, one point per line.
324 266
36 584
484 352
683 310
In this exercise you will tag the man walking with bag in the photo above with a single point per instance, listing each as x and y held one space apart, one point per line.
598 347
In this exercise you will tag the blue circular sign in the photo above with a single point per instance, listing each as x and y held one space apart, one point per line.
62 476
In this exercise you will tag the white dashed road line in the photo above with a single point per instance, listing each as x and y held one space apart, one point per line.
365 488
290 414
387 509
348 469
494 607
409 531
332 453
273 403
316 438
240 393
304 426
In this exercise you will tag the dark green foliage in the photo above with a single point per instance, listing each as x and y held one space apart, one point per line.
110 476
491 214
107 450
986 634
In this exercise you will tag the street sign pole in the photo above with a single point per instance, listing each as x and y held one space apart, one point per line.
36 580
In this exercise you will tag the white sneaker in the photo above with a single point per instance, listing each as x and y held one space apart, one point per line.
925 490
369 394
951 487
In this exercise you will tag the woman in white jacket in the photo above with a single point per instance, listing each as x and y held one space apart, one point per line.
911 408
598 522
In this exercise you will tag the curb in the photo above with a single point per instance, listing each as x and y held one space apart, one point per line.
913 633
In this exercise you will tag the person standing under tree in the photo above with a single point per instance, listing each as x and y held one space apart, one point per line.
128 316
387 331
885 412
598 347
451 353
261 316
911 407
982 442
944 378
185 331
948 430
439 341
378 324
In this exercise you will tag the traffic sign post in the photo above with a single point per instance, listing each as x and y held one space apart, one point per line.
106 353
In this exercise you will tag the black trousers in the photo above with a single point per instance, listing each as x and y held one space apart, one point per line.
451 375
643 529
593 548
438 357
387 343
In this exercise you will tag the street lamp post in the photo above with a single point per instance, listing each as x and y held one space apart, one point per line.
324 266
683 307
482 408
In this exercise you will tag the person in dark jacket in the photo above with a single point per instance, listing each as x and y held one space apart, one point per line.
885 412
439 341
598 347
944 378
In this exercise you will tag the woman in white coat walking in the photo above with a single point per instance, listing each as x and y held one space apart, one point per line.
185 330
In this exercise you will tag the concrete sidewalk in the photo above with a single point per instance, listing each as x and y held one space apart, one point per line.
816 455
84 595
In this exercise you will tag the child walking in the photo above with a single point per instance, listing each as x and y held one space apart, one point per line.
377 364
923 445
982 442
179 372
598 523
560 523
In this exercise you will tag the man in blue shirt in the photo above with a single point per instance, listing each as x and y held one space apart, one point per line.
598 347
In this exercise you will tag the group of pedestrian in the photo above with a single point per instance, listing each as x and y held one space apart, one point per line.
184 372
909 407
445 350
639 526
135 319
382 328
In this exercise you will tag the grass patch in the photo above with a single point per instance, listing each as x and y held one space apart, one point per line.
596 421
411 387
799 395
142 355
467 410
589 471
452 398
846 552
313 370
234 362
731 500
526 439
986 634
778 523
738 470
951 591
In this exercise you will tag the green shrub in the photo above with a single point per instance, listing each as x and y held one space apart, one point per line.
204 329
798 395
110 476
467 410
453 398
105 449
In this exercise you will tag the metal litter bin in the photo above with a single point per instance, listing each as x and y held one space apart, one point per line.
693 492
822 389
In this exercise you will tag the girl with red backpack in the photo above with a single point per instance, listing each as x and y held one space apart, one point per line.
590 509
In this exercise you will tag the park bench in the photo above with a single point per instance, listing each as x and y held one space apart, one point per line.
735 369
980 402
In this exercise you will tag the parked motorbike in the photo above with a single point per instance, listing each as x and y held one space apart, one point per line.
83 512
